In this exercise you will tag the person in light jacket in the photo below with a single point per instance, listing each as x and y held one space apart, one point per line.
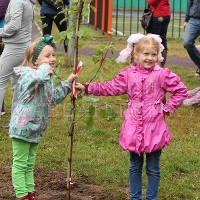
3 8
16 36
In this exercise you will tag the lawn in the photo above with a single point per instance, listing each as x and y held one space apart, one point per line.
96 152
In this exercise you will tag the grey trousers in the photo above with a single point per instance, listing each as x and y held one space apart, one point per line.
12 56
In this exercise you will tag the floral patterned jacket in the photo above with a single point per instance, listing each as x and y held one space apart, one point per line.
35 95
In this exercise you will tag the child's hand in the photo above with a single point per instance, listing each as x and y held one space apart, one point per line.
79 86
72 77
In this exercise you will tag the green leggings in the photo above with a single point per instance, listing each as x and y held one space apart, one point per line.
24 154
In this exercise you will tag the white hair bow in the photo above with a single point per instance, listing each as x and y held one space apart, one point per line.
133 39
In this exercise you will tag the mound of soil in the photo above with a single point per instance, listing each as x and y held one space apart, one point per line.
51 185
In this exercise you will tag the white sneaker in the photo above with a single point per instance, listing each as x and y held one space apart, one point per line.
2 113
197 73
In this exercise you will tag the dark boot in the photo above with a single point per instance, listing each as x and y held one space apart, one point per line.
23 198
164 55
32 196
1 46
3 109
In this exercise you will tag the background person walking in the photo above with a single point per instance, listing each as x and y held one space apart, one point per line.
192 32
50 14
160 21
16 34
3 8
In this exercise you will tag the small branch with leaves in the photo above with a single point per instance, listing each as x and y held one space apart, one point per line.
77 9
73 103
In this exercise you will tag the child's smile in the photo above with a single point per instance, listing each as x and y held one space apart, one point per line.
147 57
48 56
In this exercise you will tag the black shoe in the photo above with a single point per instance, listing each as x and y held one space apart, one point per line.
2 113
3 109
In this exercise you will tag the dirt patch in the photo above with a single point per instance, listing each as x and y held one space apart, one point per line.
51 185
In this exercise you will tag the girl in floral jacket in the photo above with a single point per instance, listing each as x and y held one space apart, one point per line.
144 129
29 118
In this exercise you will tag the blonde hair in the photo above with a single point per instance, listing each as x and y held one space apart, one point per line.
142 44
29 55
132 54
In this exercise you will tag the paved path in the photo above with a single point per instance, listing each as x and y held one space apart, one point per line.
171 60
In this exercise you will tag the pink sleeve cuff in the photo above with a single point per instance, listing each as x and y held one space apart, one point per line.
86 85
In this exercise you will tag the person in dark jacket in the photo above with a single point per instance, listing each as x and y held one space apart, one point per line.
160 21
3 8
49 14
192 32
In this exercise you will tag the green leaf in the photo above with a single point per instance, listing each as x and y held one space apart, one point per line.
89 122
91 99
108 113
62 37
91 110
83 34
58 67
80 96
95 59
85 12
93 8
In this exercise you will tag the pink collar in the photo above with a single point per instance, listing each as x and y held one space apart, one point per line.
137 67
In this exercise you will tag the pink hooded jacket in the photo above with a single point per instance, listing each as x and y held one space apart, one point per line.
144 128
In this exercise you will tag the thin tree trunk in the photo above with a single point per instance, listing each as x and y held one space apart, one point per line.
71 129
70 51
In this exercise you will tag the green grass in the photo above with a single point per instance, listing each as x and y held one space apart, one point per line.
96 152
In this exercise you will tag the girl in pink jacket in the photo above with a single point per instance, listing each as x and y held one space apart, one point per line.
144 129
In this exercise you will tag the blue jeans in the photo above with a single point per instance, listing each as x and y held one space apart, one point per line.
191 33
159 26
152 171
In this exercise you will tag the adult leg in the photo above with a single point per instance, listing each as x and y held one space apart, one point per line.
159 26
1 50
153 173
5 74
163 31
61 26
163 35
155 26
11 57
19 167
47 21
3 108
192 31
135 175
